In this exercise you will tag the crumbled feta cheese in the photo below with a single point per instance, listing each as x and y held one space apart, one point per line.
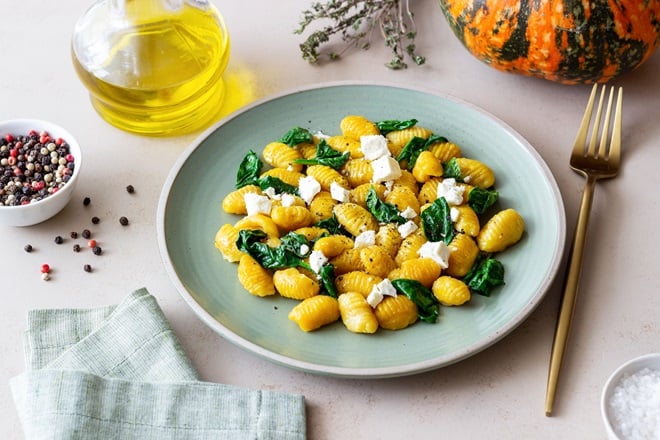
288 199
452 193
316 260
304 249
407 228
454 213
321 135
374 146
385 168
374 298
257 204
365 239
386 287
409 213
308 187
379 291
339 193
270 192
438 251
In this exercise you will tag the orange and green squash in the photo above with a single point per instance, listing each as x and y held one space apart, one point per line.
567 41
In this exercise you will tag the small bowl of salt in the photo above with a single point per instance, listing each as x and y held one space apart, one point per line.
630 402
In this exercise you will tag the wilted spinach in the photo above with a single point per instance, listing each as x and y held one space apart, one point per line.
427 305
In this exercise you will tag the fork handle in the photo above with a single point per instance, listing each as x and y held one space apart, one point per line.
570 294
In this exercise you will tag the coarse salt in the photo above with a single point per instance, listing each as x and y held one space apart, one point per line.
635 405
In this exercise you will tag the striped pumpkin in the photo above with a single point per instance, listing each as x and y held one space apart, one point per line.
566 41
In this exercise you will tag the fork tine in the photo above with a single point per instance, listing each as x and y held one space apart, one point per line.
615 145
581 138
591 151
602 149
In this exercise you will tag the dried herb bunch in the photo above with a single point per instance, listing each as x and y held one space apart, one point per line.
355 21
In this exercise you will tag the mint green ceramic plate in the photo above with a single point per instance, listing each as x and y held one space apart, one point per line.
190 213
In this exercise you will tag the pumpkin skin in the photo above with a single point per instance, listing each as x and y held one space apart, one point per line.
566 41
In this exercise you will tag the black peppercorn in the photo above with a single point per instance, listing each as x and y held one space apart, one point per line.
86 233
59 239
97 250
87 201
96 220
123 221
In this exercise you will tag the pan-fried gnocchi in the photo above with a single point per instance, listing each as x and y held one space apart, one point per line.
377 226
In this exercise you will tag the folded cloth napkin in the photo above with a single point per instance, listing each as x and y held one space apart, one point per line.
119 372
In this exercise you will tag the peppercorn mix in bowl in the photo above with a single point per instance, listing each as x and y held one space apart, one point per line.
39 167
630 401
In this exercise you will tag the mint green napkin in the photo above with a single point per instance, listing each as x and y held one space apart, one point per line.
119 372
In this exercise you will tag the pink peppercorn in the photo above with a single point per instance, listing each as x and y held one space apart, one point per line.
59 141
69 157
32 132
13 152
9 137
44 138
45 268
91 243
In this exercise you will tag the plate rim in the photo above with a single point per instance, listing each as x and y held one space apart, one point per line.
363 372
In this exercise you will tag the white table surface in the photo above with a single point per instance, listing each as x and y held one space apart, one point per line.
498 393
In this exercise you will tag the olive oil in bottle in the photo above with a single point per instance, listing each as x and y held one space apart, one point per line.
153 67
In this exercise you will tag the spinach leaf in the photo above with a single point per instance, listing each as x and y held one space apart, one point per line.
436 221
486 274
427 305
277 184
411 152
383 211
288 254
274 258
325 155
435 139
248 170
297 135
481 199
452 170
392 125
333 226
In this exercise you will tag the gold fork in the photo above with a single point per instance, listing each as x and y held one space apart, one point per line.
593 164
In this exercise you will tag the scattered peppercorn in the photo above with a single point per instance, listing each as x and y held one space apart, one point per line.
87 201
28 248
74 234
76 247
86 233
59 239
96 220
32 167
45 276
130 189
45 268
91 243
87 268
97 250
123 221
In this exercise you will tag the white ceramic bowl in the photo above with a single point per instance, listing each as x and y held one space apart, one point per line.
650 361
37 212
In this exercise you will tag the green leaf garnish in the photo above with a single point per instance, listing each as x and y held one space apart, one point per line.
325 155
249 170
394 125
427 305
486 274
383 212
297 135
436 221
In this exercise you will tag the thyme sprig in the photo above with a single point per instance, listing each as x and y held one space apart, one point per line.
355 21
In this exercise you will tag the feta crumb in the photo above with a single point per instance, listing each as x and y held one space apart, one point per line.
257 204
385 168
365 239
321 135
339 193
288 199
374 146
379 291
408 213
316 260
374 298
438 251
407 228
454 213
308 187
270 192
304 249
452 193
